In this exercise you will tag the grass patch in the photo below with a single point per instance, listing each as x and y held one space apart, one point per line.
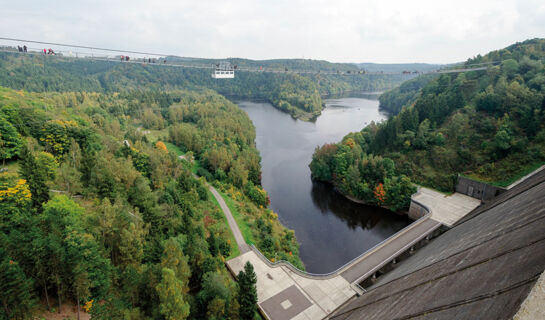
239 218
172 148
11 168
525 170
155 135
235 252
196 166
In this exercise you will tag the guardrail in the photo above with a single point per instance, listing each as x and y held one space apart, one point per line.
339 270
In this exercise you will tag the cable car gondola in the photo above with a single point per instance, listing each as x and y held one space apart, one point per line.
224 70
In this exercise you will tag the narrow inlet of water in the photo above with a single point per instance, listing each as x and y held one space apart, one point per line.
330 229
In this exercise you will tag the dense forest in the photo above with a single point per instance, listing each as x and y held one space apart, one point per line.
299 95
398 67
489 125
405 95
98 210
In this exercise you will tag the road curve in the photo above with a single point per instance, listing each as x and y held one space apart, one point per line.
242 246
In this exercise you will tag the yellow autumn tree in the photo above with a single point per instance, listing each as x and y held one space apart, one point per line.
19 194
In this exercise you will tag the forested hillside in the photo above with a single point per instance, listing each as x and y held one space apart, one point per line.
404 95
98 210
398 67
489 125
300 95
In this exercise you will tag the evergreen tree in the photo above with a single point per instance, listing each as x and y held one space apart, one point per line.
174 259
36 177
247 292
10 141
16 300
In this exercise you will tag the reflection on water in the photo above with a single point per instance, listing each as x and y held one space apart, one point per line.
355 215
330 229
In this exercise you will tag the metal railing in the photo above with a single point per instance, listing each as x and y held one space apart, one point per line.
339 270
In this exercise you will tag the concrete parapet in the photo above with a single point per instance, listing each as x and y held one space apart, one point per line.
476 189
417 210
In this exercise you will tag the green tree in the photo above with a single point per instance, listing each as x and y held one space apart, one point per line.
89 271
16 299
399 190
174 259
238 174
60 215
10 140
172 303
247 292
36 177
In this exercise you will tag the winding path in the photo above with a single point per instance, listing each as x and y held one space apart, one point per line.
242 245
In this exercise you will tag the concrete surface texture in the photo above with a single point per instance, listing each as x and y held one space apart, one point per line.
482 268
283 294
385 252
446 209
534 305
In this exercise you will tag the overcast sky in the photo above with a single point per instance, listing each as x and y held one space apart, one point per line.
334 30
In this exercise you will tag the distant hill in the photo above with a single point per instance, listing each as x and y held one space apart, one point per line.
404 95
276 64
298 94
398 67
487 124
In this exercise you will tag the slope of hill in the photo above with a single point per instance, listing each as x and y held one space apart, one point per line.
404 95
398 67
299 95
96 208
486 124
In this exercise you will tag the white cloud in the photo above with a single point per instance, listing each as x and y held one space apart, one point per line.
340 30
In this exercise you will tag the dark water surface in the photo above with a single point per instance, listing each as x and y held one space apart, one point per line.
330 229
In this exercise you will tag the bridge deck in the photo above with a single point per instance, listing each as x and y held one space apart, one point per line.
376 258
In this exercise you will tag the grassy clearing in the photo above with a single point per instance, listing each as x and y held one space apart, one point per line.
172 148
525 170
196 166
235 252
11 168
155 135
239 218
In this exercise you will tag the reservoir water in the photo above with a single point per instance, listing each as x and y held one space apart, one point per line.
330 229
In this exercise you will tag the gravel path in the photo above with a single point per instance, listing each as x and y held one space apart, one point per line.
243 247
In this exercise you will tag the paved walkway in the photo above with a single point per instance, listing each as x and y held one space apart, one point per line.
287 293
242 246
446 209
386 251
283 294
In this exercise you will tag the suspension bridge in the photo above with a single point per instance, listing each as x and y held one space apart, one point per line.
73 51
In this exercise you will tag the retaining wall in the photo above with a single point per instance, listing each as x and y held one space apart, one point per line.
478 190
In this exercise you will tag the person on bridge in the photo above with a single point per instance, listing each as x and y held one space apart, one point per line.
45 51
19 48
122 58
126 58
24 48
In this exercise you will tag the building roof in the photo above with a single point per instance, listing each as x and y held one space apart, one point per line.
482 268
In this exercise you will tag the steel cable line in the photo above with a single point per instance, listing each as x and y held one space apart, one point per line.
164 57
